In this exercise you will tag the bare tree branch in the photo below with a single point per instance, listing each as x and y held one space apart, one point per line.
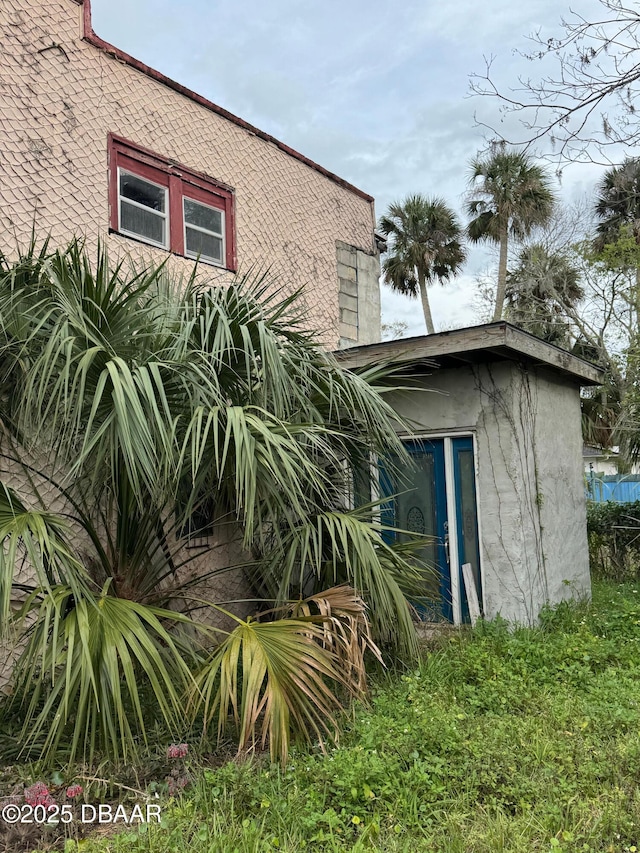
586 106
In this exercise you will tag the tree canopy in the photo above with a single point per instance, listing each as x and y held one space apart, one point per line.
585 106
540 289
425 245
509 196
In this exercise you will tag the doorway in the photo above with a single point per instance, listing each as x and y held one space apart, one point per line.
437 497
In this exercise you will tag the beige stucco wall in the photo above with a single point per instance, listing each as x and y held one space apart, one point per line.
59 98
530 488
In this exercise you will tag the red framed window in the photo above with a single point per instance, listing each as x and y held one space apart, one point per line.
167 205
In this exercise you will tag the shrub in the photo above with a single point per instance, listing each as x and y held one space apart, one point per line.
148 404
614 540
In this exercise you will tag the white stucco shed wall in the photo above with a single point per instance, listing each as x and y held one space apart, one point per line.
531 502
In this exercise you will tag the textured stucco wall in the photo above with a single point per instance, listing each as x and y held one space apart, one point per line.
530 492
561 478
60 97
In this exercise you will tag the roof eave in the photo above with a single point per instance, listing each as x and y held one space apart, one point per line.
500 339
90 36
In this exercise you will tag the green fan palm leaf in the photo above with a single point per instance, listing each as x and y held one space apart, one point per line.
272 677
86 656
33 539
138 401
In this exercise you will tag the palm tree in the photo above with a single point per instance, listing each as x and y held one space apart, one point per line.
618 209
540 290
510 195
618 201
425 246
129 403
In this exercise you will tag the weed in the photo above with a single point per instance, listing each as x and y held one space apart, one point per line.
498 742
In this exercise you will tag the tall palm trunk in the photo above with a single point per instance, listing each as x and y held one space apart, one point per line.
502 272
426 308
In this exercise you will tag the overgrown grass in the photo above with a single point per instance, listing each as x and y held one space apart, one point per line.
499 742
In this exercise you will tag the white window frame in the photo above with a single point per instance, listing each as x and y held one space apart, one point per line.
165 215
194 255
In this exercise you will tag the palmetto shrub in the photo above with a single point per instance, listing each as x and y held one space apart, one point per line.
129 404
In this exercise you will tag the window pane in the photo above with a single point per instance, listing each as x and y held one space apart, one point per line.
203 217
199 243
143 192
143 222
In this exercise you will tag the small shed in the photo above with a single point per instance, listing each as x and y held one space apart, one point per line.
498 479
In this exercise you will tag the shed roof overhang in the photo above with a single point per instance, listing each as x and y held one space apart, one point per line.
474 345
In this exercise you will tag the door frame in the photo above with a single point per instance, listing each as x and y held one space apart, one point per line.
452 515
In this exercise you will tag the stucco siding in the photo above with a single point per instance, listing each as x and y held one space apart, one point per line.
59 98
561 477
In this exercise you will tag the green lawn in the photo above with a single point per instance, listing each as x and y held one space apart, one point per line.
498 742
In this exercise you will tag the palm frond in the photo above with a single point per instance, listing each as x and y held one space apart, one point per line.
33 551
348 546
270 678
424 237
82 667
146 393
617 202
346 630
507 189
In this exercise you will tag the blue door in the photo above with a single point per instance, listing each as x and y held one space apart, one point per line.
419 503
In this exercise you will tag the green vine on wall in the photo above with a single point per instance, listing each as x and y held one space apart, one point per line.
512 442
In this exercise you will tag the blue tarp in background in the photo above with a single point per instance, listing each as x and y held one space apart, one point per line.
623 488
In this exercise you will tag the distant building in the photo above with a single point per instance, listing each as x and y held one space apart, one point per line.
597 460
603 479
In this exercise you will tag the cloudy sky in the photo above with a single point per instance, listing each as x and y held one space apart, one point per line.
376 92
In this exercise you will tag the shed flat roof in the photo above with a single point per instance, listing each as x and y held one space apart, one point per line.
474 345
